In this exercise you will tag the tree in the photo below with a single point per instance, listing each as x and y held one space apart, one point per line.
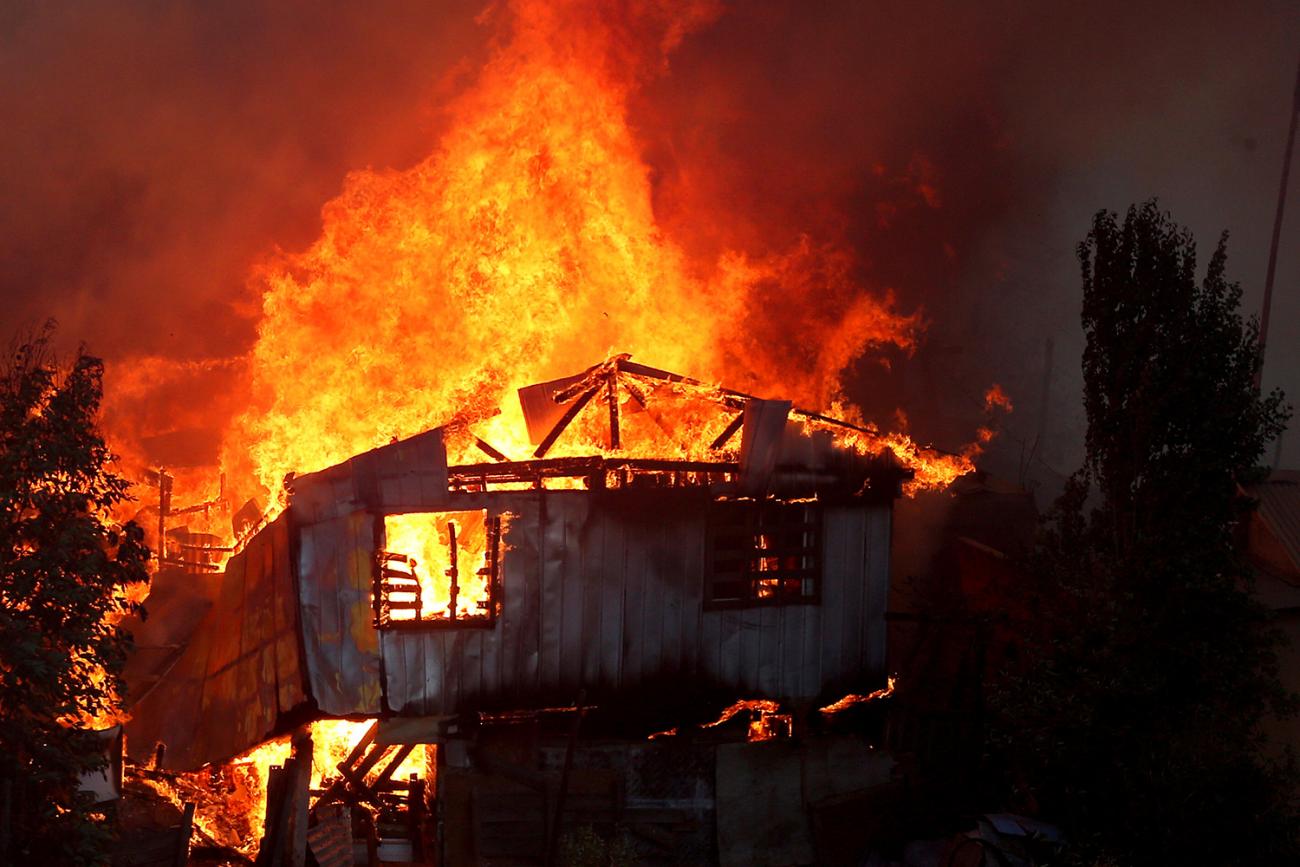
65 572
1135 720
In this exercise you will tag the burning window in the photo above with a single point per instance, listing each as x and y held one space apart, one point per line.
438 568
763 553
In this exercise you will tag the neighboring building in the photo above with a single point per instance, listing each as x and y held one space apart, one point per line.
1273 546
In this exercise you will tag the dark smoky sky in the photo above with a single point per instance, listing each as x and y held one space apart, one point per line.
152 151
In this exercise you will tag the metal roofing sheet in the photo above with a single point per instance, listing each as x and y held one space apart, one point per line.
239 672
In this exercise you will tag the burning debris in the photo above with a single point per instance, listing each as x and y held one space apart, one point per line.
852 700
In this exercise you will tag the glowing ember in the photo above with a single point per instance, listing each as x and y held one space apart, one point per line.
853 700
765 720
745 704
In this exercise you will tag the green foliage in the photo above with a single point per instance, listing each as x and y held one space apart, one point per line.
1136 718
64 573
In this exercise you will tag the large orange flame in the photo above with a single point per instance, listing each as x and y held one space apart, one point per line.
524 248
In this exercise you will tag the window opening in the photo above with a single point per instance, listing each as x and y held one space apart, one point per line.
438 568
764 553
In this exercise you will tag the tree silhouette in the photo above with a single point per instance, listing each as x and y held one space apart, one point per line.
65 570
1148 667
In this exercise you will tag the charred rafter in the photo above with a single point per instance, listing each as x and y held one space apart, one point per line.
619 370
728 432
488 449
569 415
595 469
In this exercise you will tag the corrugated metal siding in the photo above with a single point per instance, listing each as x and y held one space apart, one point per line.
241 669
336 511
409 474
341 645
605 591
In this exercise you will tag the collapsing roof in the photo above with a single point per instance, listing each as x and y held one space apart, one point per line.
295 630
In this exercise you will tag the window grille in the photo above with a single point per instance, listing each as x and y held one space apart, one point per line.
438 569
763 553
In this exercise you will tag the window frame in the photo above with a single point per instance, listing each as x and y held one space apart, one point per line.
733 531
492 527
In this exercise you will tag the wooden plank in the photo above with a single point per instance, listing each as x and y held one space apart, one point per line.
611 399
572 625
405 488
259 614
300 785
279 810
854 530
728 432
657 557
613 587
469 648
709 652
694 639
433 665
877 589
843 578
770 650
181 855
227 643
674 581
490 661
528 661
517 540
414 693
790 664
320 606
634 596
452 648
550 605
290 675
729 647
591 550
835 577
810 667
751 649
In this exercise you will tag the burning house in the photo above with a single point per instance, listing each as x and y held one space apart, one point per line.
719 548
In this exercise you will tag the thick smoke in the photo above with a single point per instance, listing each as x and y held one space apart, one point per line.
961 150
154 152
